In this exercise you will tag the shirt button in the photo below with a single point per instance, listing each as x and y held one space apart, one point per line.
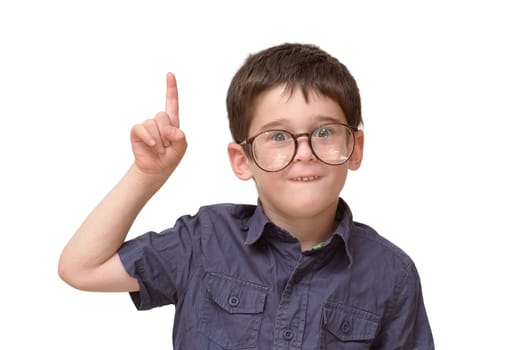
287 334
233 301
345 327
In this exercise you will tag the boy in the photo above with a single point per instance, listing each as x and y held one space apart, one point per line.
293 272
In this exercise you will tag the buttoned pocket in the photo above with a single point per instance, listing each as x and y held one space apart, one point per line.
347 327
231 313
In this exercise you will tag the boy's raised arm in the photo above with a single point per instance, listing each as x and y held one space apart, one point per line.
89 260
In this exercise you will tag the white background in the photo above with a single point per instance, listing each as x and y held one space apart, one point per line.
442 88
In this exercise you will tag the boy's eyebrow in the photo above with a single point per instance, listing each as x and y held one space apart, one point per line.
329 119
275 124
283 122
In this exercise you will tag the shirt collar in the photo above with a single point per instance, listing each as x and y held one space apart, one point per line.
344 228
256 225
258 221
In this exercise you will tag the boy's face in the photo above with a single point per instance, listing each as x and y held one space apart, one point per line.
306 187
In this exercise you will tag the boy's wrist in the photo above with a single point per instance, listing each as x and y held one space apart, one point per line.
148 181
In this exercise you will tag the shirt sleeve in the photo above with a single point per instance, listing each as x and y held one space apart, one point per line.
406 326
161 262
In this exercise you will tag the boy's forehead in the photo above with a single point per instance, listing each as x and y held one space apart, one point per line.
283 107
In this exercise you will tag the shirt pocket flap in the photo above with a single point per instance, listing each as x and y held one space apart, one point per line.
349 323
236 296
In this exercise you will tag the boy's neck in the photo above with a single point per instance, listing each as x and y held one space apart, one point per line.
310 230
312 239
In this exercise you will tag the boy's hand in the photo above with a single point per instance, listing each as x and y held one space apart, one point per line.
158 144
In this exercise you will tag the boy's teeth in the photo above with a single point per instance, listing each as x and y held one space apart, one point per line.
304 178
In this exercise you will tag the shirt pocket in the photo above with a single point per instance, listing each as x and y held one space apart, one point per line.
346 327
232 310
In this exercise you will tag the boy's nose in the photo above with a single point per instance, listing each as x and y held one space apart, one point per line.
304 152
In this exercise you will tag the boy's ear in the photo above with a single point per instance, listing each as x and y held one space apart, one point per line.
239 161
357 156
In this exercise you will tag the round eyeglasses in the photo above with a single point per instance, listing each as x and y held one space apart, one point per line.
274 150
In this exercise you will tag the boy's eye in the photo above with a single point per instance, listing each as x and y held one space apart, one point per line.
323 132
279 136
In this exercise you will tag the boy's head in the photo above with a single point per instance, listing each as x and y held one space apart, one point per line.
296 66
294 114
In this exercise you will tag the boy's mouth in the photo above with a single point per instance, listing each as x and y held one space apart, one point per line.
305 178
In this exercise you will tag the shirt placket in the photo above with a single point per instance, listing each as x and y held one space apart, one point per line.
291 316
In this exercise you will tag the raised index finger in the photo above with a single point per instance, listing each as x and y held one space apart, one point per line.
172 99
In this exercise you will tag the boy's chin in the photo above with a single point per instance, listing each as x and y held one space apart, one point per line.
308 207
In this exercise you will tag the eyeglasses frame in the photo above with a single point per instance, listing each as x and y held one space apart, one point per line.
248 144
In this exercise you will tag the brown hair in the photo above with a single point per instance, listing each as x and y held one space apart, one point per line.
301 66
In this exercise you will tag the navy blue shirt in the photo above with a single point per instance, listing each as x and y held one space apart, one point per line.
239 282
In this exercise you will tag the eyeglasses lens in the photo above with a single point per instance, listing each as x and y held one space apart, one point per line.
332 144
